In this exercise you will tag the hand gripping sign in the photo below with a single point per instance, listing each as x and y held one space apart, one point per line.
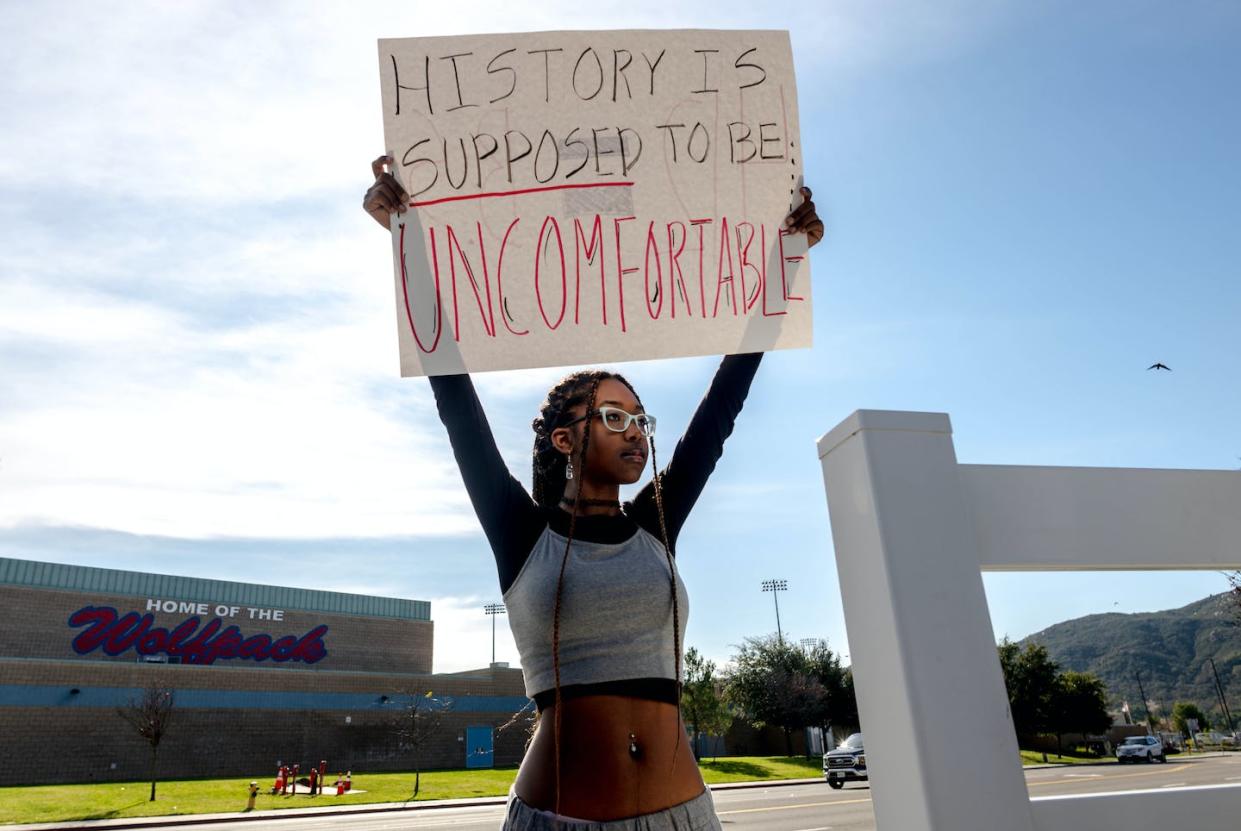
584 197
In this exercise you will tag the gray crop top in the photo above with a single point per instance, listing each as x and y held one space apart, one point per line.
616 610
615 613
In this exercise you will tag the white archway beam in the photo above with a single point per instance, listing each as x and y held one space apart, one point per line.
1082 518
913 531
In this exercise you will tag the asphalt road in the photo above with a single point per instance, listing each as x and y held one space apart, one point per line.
817 808
812 807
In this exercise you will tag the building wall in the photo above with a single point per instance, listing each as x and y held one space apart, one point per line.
261 674
236 721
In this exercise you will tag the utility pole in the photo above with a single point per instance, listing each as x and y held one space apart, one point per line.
493 609
1150 719
775 587
1219 690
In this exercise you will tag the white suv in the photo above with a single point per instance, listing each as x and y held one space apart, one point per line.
1140 747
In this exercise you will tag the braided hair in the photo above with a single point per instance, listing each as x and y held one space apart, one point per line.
549 479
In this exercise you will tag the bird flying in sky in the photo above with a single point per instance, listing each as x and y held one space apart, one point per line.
1159 366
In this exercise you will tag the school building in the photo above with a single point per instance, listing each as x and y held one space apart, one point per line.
261 674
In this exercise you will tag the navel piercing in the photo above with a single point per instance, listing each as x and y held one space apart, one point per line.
633 746
568 470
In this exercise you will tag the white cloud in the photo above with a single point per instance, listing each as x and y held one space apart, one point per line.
233 103
148 420
196 320
463 634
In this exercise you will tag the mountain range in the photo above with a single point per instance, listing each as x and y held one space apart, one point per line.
1167 650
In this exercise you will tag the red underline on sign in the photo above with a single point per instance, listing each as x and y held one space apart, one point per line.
519 192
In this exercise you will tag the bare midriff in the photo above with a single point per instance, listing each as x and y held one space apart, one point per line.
600 779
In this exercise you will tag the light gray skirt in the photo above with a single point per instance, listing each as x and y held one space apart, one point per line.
696 815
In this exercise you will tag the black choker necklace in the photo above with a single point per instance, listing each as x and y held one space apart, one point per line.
590 503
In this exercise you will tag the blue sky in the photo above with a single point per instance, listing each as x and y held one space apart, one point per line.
1026 205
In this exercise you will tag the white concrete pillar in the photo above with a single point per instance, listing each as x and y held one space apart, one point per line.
940 743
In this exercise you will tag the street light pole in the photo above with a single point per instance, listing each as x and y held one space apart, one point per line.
493 609
1219 690
775 587
1150 718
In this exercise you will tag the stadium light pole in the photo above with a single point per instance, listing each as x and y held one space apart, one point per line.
493 609
775 587
807 644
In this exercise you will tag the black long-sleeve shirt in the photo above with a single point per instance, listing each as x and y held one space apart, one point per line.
513 521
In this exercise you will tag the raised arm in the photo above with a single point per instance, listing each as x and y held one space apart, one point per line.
509 517
699 450
696 454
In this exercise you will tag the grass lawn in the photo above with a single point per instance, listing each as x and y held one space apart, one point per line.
56 803
1035 757
758 768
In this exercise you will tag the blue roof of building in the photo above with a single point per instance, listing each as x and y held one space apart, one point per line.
64 577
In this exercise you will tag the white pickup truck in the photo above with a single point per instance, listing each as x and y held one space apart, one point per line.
846 763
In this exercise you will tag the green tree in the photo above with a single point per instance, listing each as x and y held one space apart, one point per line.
774 683
701 702
1182 711
1079 705
717 719
1031 678
839 706
846 714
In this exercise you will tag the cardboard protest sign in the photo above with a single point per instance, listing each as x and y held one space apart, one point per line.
585 197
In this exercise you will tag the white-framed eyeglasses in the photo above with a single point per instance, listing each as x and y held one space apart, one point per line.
618 421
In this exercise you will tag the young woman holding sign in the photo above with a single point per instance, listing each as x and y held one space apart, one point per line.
593 597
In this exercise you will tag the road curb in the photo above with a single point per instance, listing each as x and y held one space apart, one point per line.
764 783
306 813
1045 766
1174 757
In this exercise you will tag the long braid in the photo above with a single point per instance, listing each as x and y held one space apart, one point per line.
658 482
536 477
564 561
548 487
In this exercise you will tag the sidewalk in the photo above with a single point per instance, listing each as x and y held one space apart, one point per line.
330 810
